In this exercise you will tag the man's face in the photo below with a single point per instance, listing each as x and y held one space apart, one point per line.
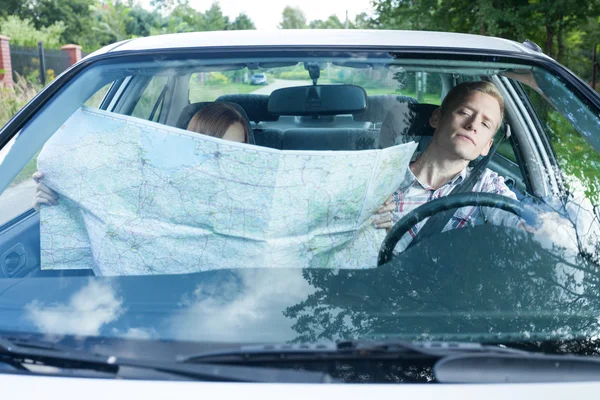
467 127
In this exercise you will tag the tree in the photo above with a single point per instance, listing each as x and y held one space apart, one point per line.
293 18
13 7
242 22
213 19
75 15
362 21
184 18
113 18
564 31
23 32
142 21
333 22
558 18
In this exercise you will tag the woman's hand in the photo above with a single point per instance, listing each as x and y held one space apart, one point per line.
43 194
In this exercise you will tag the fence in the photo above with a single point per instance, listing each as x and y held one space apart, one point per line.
26 63
34 63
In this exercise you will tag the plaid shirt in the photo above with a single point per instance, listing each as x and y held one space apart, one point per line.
412 193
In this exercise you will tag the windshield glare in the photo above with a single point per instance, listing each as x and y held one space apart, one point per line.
177 199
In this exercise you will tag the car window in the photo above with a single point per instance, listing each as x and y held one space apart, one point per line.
208 86
13 200
150 104
97 98
164 234
577 159
506 150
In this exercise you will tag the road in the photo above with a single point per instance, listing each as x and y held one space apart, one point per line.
17 199
280 83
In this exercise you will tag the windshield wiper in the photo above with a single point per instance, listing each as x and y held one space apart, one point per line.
344 350
21 354
507 368
453 362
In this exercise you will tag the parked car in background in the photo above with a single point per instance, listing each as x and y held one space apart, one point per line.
154 273
259 79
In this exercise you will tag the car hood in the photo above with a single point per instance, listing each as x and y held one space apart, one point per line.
30 387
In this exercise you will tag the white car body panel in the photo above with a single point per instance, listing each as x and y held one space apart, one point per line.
28 387
338 38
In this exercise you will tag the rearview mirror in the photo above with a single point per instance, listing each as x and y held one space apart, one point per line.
318 100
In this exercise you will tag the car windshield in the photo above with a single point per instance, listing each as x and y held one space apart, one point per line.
178 201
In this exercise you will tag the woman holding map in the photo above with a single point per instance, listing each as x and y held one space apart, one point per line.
219 120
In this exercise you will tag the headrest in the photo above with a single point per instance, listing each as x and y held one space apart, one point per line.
188 112
379 105
255 105
404 122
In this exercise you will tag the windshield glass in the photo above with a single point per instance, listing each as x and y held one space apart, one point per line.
171 198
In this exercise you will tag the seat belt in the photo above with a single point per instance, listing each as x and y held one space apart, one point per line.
436 223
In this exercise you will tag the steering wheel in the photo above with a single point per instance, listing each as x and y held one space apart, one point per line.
450 202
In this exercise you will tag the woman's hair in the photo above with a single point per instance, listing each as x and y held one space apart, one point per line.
215 119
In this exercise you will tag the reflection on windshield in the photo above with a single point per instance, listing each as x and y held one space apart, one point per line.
515 290
572 129
85 313
247 302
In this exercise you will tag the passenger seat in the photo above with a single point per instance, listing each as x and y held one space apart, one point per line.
379 105
407 122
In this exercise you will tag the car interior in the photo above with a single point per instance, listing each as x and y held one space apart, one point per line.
322 117
343 130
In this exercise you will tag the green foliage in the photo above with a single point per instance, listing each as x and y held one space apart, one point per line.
14 98
293 18
566 30
362 21
112 20
578 160
213 19
76 15
217 78
332 22
295 75
242 22
141 22
22 32
200 92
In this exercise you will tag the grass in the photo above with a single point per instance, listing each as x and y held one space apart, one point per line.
12 99
200 92
97 97
427 98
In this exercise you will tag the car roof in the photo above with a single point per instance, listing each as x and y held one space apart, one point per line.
316 37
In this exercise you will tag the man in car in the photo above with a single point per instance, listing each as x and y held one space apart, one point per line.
465 125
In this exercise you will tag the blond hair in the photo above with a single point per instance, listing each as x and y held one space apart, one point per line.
460 91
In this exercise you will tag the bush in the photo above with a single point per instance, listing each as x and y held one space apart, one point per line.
295 75
217 78
23 33
14 98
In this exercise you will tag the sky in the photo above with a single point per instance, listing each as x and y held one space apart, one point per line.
266 14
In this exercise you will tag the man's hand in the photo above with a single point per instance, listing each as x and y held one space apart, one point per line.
43 194
384 218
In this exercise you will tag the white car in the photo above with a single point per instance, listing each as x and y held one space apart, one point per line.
259 79
173 256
